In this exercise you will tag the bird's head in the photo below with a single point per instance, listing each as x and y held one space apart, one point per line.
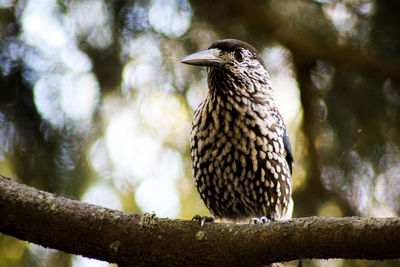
233 67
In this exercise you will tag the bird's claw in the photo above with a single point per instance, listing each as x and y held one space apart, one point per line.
203 219
262 219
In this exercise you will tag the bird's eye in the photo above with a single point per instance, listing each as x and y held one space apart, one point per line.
239 55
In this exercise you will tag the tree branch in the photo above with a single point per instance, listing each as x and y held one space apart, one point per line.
126 238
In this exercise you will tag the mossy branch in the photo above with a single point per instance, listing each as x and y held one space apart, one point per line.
132 239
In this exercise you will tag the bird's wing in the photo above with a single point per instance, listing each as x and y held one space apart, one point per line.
288 148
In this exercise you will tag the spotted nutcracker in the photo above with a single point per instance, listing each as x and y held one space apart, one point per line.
241 153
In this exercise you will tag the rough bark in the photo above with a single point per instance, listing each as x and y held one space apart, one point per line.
132 239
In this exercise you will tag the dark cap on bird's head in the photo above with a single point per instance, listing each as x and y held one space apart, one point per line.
213 57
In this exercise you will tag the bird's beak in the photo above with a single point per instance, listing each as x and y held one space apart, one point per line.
206 58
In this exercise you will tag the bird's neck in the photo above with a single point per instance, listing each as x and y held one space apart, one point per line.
242 95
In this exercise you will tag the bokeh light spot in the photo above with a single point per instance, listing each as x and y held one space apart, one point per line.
170 17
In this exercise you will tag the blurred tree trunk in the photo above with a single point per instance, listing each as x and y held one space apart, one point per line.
313 194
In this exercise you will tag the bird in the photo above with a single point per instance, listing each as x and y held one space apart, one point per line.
240 150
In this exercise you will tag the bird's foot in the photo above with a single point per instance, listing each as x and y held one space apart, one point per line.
203 219
262 219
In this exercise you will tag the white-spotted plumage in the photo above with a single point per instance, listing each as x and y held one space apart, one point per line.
239 146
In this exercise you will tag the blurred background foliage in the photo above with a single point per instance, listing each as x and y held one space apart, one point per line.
95 106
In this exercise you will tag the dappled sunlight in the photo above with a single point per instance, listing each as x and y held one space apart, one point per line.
13 248
369 195
99 160
196 93
103 195
341 16
47 100
70 96
43 256
329 263
322 75
158 195
134 142
279 63
330 209
166 17
79 96
42 28
79 261
166 116
143 66
139 76
91 19
64 90
387 184
96 105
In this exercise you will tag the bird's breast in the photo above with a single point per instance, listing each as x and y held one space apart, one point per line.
238 159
